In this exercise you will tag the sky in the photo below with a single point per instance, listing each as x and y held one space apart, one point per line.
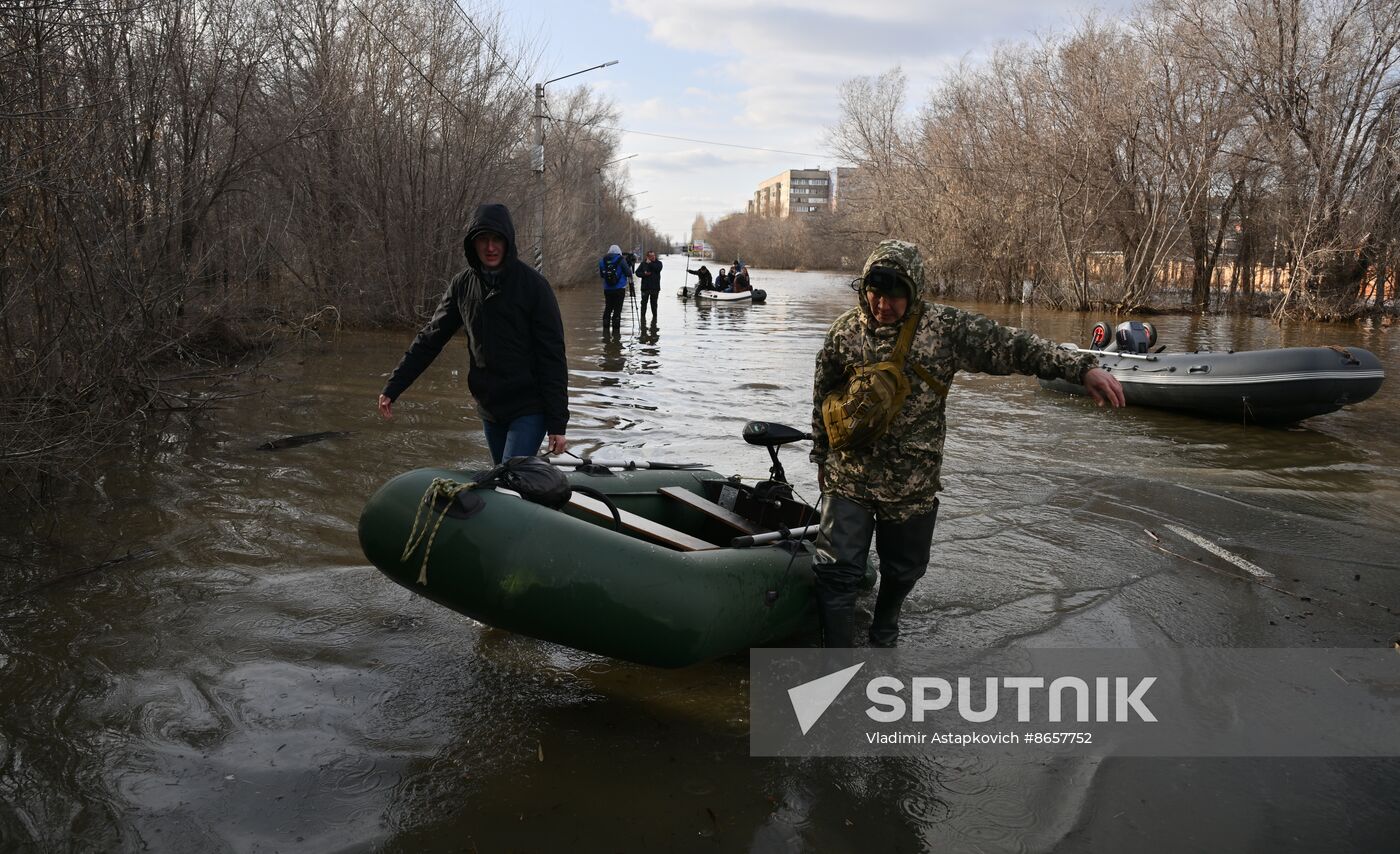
716 96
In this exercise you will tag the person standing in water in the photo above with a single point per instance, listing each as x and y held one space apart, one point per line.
879 450
649 273
616 274
517 372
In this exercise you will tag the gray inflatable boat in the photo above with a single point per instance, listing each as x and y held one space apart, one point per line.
1280 386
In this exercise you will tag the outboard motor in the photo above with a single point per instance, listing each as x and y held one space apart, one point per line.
1100 336
773 436
1134 336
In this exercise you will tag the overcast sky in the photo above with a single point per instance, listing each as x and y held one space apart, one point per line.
755 74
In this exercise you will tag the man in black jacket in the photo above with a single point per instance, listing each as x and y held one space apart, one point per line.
518 373
649 273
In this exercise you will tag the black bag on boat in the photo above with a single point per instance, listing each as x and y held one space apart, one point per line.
535 479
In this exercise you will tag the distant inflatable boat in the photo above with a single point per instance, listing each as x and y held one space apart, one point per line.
755 295
1274 387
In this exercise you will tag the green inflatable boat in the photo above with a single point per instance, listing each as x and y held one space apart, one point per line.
664 565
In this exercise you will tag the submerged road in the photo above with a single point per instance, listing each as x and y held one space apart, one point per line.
251 684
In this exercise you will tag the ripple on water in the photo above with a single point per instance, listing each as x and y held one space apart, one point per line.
922 810
184 715
400 622
351 776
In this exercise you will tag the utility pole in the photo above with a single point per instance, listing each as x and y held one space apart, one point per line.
537 163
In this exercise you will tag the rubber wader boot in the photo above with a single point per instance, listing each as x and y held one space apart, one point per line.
836 611
843 547
884 627
904 554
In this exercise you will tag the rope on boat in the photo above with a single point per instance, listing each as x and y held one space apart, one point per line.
1345 354
441 488
792 558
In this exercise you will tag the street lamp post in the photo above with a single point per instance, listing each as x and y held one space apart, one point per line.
633 226
618 160
598 194
537 159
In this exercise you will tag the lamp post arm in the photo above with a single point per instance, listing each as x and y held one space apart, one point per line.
538 158
576 73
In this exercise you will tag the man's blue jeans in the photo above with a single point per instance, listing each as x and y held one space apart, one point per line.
520 437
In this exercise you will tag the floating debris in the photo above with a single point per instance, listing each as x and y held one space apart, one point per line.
303 439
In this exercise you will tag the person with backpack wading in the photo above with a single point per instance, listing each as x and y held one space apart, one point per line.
617 276
878 425
515 338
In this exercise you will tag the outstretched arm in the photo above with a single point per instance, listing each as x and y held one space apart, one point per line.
429 341
1104 387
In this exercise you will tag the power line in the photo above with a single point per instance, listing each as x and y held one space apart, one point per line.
453 104
960 167
548 114
411 63
529 90
701 141
491 47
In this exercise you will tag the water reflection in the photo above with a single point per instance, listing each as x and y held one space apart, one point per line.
538 786
612 361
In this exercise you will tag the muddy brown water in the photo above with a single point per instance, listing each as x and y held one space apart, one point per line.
246 682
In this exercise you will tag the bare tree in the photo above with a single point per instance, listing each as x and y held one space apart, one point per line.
1084 169
1195 114
871 132
182 178
1320 78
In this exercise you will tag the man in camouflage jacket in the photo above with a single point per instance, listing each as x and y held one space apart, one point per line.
888 490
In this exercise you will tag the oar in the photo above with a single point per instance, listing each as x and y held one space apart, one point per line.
1146 357
626 465
774 536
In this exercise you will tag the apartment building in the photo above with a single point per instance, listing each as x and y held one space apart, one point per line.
797 192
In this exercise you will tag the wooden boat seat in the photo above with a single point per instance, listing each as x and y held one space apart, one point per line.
641 525
711 509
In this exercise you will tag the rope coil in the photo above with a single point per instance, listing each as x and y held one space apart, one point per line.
440 488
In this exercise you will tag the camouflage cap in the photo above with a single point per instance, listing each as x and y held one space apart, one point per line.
902 256
888 279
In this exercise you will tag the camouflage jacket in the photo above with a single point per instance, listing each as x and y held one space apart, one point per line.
897 476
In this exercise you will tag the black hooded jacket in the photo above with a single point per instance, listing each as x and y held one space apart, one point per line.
514 334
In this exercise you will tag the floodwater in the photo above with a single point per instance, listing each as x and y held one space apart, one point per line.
239 679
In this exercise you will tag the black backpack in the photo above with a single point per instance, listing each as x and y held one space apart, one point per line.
612 270
535 479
